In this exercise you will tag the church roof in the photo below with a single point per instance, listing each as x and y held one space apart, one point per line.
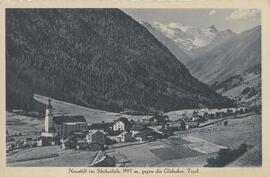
68 119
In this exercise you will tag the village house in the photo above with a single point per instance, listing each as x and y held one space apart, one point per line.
45 141
29 142
159 119
145 135
104 126
82 144
125 137
192 124
67 144
95 136
143 120
177 125
10 146
136 128
122 124
95 140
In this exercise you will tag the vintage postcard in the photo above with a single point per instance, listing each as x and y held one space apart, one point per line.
140 88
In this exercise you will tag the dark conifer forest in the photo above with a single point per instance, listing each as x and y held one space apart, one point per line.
98 58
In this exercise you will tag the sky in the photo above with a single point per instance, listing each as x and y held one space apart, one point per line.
238 20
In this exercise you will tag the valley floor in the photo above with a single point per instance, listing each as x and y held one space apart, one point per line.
191 149
194 148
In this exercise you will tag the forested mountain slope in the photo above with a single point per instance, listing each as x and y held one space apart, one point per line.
99 58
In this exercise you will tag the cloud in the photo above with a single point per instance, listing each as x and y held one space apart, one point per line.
241 14
212 12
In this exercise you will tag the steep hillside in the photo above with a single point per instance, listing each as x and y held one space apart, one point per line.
172 46
233 68
98 58
245 88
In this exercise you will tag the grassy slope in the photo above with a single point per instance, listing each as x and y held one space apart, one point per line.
91 115
245 130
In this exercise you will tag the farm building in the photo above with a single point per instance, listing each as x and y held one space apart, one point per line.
125 137
148 135
82 144
29 142
67 144
96 136
105 126
144 120
45 141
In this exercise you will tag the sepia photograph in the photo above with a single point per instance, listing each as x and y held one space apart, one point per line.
133 87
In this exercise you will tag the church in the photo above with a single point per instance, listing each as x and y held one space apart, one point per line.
62 126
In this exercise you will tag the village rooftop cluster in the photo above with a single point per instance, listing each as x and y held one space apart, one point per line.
74 132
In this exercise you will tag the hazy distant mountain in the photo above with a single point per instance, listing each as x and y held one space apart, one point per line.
234 64
168 42
99 58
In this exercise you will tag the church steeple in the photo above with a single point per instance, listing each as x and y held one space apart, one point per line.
49 105
48 117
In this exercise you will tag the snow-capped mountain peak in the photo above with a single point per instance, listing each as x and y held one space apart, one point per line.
189 37
213 29
175 25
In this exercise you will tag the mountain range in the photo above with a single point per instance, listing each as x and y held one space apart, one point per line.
168 42
191 40
226 61
98 58
233 68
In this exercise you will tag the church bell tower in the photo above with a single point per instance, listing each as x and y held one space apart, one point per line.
48 117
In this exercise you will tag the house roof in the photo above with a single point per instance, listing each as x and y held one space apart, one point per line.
68 119
124 120
124 133
101 125
83 141
95 131
143 133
